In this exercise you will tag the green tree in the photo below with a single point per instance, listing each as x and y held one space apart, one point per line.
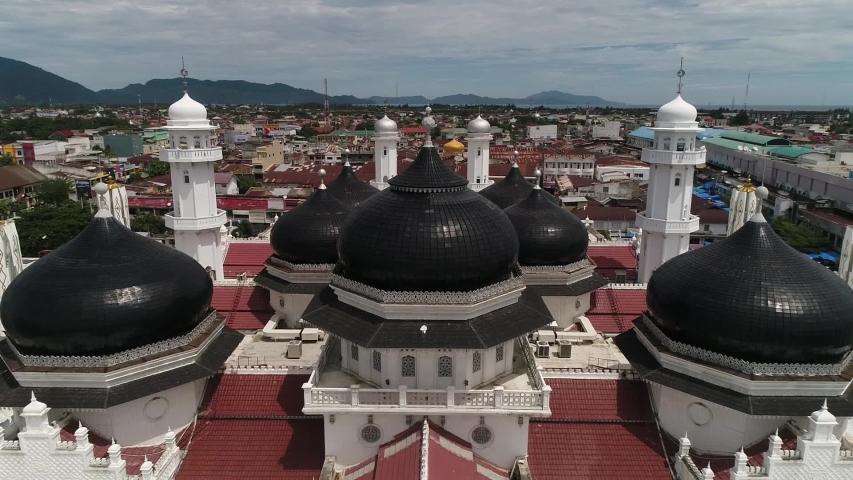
109 152
149 222
244 229
155 168
800 236
364 126
9 208
47 227
54 191
245 183
6 159
307 132
742 118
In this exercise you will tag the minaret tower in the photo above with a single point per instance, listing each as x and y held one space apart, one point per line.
478 153
385 151
667 222
195 218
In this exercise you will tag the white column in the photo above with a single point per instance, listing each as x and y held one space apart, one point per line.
478 160
385 158
845 264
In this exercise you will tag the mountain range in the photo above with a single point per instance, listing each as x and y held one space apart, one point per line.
22 83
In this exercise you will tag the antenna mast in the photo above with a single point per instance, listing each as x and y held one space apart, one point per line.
139 99
746 95
326 99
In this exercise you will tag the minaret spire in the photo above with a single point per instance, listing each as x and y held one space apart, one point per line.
680 74
184 73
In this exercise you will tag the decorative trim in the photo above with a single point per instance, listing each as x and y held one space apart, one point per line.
68 361
752 368
311 267
428 298
555 268
428 190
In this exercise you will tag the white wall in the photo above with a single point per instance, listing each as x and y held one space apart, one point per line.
721 430
146 420
230 188
290 306
426 366
343 439
542 131
565 310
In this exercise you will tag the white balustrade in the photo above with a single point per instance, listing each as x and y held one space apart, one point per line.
357 396
191 155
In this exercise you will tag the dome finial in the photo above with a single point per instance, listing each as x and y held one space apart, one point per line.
538 175
428 123
515 159
346 159
322 173
184 73
680 74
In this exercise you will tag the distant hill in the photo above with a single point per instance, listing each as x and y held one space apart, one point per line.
220 91
22 83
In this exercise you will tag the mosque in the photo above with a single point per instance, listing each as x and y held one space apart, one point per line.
432 298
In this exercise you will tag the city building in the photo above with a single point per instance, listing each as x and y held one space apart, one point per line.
125 145
18 181
542 132
619 168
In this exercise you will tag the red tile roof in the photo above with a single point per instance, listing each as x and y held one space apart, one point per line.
257 396
612 310
246 257
605 213
600 451
599 400
256 449
613 257
619 162
448 457
251 310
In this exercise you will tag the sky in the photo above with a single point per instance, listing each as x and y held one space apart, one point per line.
798 52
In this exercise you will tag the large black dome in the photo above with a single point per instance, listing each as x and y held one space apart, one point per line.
106 291
427 232
752 297
349 189
512 189
547 234
309 232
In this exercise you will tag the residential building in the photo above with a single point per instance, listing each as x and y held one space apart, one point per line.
542 132
617 168
18 181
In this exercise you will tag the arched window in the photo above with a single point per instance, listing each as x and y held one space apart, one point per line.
183 143
385 151
445 366
679 146
196 142
353 352
677 179
478 179
499 353
478 361
666 143
377 360
186 176
408 366
479 151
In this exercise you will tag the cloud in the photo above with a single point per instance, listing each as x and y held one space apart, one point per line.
623 50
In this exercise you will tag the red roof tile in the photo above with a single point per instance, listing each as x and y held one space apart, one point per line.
246 257
605 213
249 396
613 257
251 310
601 451
256 449
599 400
627 301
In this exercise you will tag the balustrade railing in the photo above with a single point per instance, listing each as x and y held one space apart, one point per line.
356 396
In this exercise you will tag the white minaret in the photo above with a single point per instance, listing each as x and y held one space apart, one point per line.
385 151
478 153
195 219
667 222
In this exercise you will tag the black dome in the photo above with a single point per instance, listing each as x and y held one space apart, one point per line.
309 232
427 232
752 297
512 189
106 291
349 189
547 234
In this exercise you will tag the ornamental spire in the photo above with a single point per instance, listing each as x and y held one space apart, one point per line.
184 73
680 74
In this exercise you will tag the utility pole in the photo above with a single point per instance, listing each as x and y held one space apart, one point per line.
326 98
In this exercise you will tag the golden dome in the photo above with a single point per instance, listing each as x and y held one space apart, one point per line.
454 146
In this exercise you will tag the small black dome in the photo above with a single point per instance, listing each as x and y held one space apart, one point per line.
752 297
106 291
427 232
512 189
547 234
349 189
309 232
